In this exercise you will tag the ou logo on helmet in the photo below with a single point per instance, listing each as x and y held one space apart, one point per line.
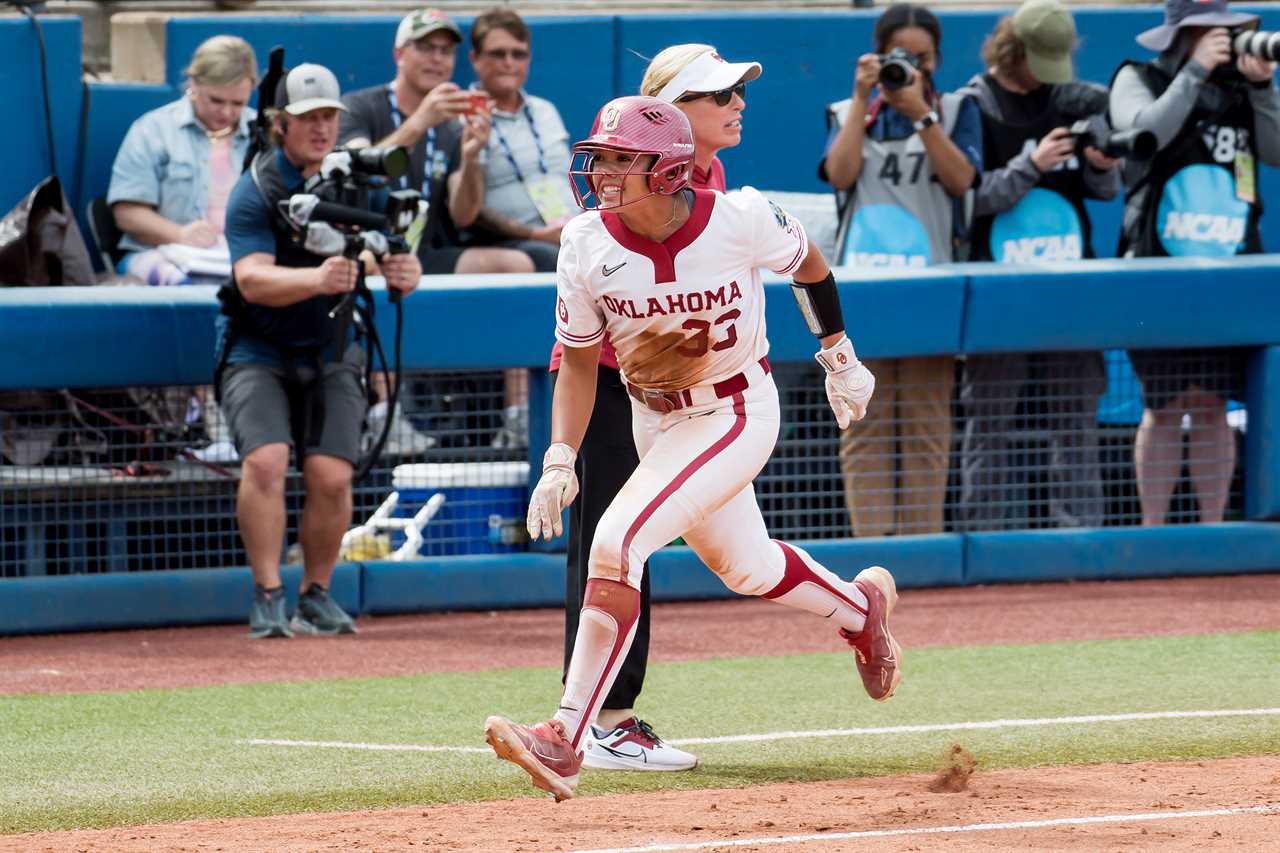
609 121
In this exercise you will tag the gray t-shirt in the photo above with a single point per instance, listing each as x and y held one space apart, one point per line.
369 115
526 146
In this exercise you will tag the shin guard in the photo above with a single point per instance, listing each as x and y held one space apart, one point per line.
606 628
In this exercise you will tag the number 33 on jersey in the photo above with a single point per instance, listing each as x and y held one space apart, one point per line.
687 311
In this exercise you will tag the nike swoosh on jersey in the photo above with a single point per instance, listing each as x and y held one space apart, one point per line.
608 270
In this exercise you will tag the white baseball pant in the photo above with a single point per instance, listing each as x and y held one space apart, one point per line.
694 480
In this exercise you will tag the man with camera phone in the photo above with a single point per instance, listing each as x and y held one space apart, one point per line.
1047 147
1210 99
290 370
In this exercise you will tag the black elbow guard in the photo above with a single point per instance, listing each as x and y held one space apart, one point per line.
820 304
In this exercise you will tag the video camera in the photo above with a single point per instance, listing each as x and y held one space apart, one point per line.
1259 43
897 68
331 217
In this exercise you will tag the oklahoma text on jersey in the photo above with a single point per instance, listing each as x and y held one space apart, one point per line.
688 311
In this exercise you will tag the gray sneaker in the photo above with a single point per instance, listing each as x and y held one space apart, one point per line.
266 616
318 613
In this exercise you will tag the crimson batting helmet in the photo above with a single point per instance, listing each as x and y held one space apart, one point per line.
642 126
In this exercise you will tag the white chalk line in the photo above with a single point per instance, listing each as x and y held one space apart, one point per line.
1087 719
827 837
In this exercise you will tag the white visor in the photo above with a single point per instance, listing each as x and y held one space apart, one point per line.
708 73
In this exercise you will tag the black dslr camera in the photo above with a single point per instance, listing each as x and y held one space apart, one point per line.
1259 43
1096 133
1085 106
897 68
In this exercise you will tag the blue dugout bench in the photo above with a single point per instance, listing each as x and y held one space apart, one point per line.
57 337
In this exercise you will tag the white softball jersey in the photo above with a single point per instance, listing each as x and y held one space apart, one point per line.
685 312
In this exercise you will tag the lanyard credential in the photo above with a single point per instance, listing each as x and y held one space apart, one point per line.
431 146
537 141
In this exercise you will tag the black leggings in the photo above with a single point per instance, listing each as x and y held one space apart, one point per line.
605 461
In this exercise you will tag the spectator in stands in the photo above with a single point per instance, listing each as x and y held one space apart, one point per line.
526 197
177 164
288 373
1214 115
1030 208
424 111
901 160
712 93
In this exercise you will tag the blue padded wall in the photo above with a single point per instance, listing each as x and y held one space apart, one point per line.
150 599
25 146
1121 553
1262 440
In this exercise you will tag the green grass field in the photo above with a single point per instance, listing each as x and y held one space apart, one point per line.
103 759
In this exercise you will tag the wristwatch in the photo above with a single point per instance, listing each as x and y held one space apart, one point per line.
928 119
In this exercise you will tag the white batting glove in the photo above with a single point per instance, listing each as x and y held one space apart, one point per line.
556 489
849 383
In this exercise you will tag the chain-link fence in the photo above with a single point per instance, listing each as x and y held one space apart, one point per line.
145 479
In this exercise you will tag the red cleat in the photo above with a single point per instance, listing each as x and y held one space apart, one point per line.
542 750
876 651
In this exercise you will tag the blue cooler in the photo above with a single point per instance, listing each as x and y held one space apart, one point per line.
484 505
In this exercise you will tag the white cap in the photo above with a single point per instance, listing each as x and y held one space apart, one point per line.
708 73
308 87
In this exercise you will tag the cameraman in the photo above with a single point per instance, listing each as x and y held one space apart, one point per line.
1030 208
289 374
1214 117
900 164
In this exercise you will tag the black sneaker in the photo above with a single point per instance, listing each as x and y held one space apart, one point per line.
318 613
267 617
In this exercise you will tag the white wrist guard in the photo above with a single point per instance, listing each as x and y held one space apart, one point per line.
559 455
838 357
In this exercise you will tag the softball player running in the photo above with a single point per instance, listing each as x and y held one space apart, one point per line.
672 275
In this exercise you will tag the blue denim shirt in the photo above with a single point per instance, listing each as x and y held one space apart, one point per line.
164 162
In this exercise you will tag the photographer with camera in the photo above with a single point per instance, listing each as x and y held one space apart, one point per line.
290 370
1210 98
1043 135
901 163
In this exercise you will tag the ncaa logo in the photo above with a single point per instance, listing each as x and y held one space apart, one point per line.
562 310
609 121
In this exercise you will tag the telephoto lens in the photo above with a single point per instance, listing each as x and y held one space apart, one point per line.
1094 132
1259 43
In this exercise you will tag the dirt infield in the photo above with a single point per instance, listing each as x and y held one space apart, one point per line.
770 815
776 812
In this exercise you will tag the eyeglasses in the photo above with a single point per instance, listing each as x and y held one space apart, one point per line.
500 54
723 97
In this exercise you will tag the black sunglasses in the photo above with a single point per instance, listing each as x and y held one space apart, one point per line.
723 97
